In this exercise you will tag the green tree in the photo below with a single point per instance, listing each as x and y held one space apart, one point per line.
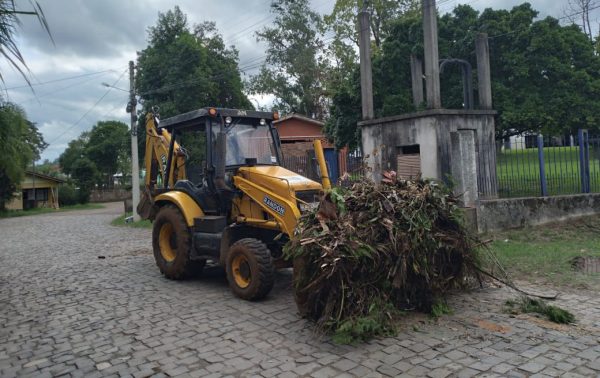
85 175
109 148
185 68
293 71
74 151
20 144
343 18
343 77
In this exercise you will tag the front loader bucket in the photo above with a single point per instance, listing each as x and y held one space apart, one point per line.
144 208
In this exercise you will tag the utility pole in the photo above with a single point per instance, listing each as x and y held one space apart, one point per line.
366 79
432 61
135 167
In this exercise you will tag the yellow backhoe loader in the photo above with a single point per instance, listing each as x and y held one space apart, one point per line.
215 190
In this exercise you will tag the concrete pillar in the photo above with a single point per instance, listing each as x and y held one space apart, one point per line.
464 166
416 74
484 80
366 78
430 44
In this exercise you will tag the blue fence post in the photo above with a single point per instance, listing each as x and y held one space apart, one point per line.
584 160
543 183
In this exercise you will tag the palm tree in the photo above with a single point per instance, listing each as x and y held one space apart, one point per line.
8 23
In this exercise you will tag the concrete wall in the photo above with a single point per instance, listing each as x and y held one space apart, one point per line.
110 195
502 214
431 130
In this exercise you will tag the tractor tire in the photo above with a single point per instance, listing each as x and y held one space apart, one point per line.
250 269
172 243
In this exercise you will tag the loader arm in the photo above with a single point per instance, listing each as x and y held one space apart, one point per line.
283 210
158 141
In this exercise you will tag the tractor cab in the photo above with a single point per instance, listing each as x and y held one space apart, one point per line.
214 144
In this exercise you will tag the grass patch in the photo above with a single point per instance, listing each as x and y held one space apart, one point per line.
440 308
529 305
545 253
37 211
377 323
120 222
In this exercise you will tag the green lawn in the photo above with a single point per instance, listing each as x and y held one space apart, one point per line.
544 253
120 221
23 213
519 175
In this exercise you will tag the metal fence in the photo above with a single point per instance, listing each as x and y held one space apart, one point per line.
303 165
350 165
536 165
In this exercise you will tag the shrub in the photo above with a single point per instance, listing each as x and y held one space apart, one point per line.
67 194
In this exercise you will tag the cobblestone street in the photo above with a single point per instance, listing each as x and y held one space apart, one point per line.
65 311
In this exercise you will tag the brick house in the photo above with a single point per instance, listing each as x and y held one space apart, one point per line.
297 134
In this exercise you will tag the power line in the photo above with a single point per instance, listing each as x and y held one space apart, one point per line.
60 89
89 110
578 13
58 80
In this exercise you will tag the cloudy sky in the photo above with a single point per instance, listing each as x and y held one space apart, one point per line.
94 41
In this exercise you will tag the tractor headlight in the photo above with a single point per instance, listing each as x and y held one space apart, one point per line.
306 207
228 120
263 122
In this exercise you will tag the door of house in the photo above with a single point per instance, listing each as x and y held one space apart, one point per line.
331 158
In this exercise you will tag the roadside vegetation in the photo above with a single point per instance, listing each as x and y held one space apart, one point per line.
545 254
121 222
37 211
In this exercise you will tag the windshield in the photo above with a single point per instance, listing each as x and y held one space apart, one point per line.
248 141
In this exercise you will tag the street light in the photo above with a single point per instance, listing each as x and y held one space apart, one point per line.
112 86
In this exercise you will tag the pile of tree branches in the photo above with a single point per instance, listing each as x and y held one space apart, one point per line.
372 251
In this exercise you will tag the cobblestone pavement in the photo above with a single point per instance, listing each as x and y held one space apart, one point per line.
64 311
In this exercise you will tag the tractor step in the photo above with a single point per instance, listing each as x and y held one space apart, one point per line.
210 224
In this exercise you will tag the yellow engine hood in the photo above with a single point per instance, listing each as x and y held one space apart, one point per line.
278 180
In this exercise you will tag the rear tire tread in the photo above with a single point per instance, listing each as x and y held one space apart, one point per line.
182 267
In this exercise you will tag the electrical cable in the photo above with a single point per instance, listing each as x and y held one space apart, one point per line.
58 80
89 110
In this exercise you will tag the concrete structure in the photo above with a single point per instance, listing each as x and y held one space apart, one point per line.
430 46
502 214
443 143
428 133
366 75
484 80
36 190
416 74
464 165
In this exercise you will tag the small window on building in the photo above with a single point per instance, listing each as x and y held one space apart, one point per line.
41 194
408 162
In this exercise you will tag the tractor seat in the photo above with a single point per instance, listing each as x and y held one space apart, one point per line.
200 194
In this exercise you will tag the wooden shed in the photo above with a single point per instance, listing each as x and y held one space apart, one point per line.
36 190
